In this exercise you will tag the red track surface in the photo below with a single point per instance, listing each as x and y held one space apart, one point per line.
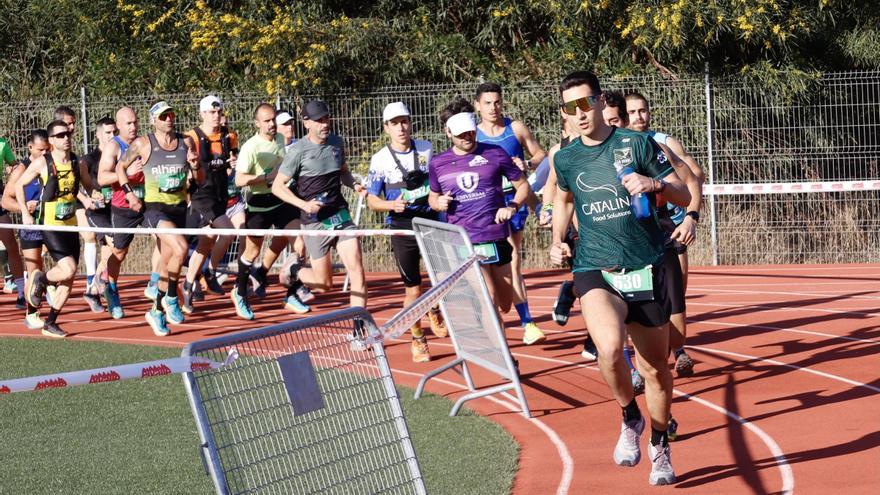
785 394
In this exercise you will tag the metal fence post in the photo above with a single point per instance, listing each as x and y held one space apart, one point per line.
85 119
713 226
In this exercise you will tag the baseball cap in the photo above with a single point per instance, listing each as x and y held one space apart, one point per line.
210 102
159 108
315 110
392 110
460 123
283 118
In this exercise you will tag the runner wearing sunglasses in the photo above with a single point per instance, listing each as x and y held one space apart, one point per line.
618 269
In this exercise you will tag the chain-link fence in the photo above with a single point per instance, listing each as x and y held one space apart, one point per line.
740 131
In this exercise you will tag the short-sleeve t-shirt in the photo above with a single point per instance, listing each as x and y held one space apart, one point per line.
474 181
386 179
611 237
316 170
259 156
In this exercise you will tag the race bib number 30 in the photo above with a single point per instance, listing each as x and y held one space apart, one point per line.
633 285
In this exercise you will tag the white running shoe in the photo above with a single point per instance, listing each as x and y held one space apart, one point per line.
627 452
661 466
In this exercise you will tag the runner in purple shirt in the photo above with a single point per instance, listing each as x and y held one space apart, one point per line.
465 183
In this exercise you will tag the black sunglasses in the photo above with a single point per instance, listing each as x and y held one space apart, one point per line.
62 135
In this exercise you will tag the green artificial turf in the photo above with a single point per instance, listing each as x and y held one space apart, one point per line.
139 436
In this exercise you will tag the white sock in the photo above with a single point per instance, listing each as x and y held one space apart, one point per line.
90 250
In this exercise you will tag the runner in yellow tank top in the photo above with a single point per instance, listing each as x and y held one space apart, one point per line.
58 171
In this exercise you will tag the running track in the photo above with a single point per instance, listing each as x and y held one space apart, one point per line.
784 399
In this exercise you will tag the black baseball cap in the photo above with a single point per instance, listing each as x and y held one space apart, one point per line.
315 110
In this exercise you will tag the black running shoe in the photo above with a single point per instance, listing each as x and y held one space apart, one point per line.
53 330
214 287
564 302
36 288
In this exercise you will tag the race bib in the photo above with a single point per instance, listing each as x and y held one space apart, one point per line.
64 210
336 220
107 194
138 191
633 285
172 183
489 250
413 195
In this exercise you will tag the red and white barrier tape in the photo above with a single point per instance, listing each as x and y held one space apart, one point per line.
211 231
148 369
790 187
409 316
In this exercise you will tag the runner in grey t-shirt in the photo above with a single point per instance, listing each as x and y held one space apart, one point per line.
311 178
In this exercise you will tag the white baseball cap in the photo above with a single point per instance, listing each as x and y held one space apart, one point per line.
209 103
283 118
460 123
392 110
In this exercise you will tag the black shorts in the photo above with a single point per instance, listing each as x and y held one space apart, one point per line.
646 313
201 213
407 254
668 227
674 280
61 245
124 218
504 250
100 219
277 217
158 212
31 243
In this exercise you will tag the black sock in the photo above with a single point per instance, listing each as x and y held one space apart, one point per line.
678 352
291 291
631 412
53 315
261 272
157 306
241 281
30 309
294 272
659 438
172 287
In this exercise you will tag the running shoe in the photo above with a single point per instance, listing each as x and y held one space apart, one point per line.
304 294
93 300
20 303
198 293
419 349
172 310
34 322
684 365
638 382
627 452
564 302
222 278
532 334
53 330
438 326
211 282
152 291
242 308
187 301
36 288
294 304
661 466
286 275
113 305
590 353
672 429
9 285
156 319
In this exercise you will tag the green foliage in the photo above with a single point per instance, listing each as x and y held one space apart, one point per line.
145 46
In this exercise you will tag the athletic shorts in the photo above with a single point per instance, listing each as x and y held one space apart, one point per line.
646 313
407 254
518 220
30 239
235 209
318 247
100 219
124 218
503 249
61 245
668 226
200 214
277 217
159 212
674 281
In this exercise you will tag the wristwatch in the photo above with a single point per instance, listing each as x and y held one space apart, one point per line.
694 214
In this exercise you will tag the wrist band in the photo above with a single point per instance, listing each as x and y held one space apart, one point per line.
126 188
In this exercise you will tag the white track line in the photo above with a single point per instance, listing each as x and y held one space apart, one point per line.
791 330
790 366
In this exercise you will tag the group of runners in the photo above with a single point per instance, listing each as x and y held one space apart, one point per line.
622 201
